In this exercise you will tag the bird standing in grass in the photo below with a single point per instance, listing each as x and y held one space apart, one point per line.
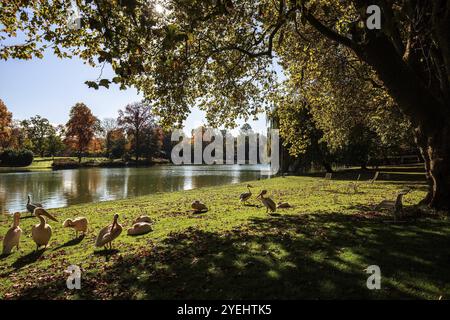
12 237
31 206
79 224
267 202
244 196
42 232
108 234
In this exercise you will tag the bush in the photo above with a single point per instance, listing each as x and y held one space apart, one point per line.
16 158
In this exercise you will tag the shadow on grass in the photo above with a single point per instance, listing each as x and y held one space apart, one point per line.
27 259
411 173
106 252
70 243
310 256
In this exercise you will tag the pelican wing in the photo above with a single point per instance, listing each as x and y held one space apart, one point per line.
245 196
107 235
270 204
140 228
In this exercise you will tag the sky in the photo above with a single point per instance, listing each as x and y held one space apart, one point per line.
51 86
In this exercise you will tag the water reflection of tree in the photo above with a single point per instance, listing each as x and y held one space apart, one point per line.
43 186
84 186
69 187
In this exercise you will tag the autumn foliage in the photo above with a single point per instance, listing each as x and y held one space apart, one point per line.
5 125
81 129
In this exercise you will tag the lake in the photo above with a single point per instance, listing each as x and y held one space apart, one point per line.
55 189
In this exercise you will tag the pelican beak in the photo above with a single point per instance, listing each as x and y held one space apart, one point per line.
259 195
48 215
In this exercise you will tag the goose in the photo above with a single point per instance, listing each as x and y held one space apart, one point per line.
31 206
139 228
199 206
12 237
108 234
79 224
42 232
267 202
243 197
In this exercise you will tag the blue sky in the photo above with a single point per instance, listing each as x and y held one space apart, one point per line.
51 86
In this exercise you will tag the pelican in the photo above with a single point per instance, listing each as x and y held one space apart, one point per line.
283 205
108 234
139 228
267 202
145 219
199 206
31 206
12 237
246 195
42 232
79 224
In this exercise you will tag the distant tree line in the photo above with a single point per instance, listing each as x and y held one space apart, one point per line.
134 135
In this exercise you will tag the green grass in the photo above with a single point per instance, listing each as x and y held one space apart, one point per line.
317 249
45 163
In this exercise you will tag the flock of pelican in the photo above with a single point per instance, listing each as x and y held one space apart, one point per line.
266 201
41 233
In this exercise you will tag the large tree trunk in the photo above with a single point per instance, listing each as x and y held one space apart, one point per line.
437 165
427 106
429 115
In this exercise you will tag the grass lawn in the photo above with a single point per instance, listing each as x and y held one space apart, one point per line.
318 249
45 163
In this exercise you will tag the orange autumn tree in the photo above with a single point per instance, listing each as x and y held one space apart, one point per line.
5 125
81 128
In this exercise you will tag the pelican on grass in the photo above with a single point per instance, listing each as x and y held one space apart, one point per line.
283 205
139 228
199 206
42 232
267 202
12 237
79 224
108 234
145 219
243 197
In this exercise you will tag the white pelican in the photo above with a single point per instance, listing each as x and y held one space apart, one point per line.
79 224
267 202
246 195
42 232
12 237
199 206
139 228
108 234
31 206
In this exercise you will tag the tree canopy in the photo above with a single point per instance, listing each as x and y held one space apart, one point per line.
219 55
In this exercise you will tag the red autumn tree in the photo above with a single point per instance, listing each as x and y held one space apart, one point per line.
81 128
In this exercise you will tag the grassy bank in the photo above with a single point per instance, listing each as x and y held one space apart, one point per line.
317 249
47 163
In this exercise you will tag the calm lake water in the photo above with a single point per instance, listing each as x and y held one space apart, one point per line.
55 189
